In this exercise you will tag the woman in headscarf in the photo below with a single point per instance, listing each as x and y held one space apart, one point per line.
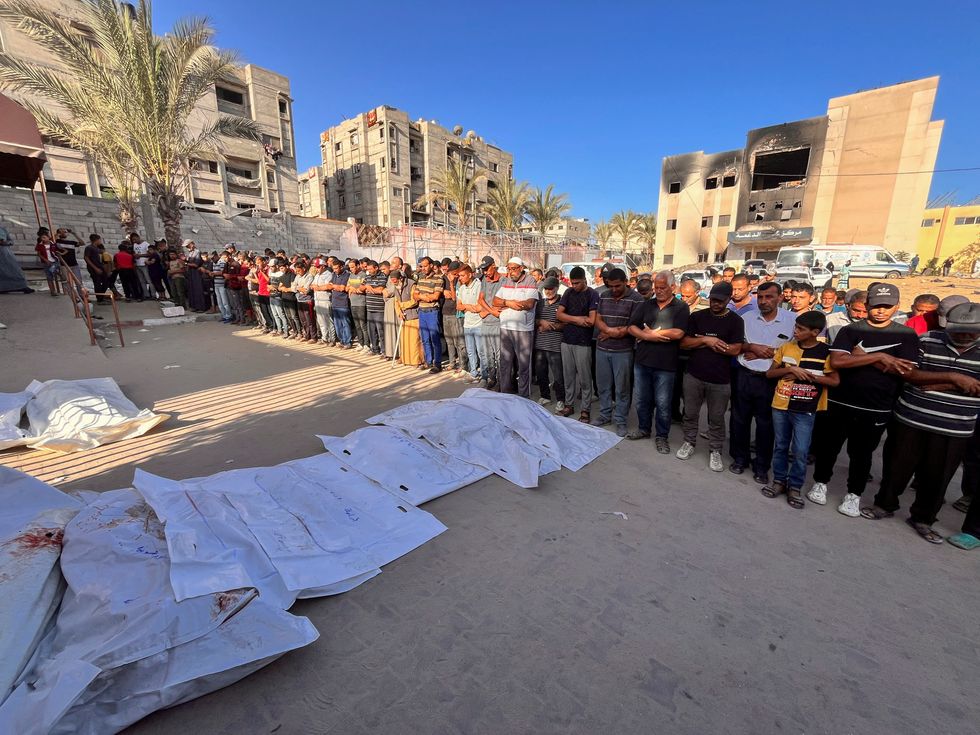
195 282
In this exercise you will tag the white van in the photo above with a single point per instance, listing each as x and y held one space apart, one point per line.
871 261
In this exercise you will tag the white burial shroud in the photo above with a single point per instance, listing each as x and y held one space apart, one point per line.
72 415
32 525
122 646
305 528
407 467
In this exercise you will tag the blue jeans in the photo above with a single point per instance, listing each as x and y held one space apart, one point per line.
224 303
793 433
342 325
431 337
614 368
653 387
471 335
278 316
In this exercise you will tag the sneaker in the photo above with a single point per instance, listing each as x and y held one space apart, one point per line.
559 407
599 421
544 401
686 450
637 434
851 505
620 430
818 493
714 461
662 445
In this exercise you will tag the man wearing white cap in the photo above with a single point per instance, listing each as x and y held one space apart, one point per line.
516 298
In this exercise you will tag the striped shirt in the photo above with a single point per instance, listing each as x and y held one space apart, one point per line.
436 283
549 341
617 313
376 301
523 289
950 413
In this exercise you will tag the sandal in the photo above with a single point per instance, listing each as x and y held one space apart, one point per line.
584 417
794 498
874 513
775 490
925 531
965 541
566 412
963 504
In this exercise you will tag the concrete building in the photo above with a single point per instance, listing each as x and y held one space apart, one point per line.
858 174
950 231
377 164
312 193
253 175
576 229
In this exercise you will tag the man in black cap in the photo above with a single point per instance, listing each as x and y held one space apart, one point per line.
934 422
873 356
714 336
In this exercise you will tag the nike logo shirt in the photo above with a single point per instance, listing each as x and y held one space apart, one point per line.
867 388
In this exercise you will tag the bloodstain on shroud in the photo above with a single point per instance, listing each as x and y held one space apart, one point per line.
35 540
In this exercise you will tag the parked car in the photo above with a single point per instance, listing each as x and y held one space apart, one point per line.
701 277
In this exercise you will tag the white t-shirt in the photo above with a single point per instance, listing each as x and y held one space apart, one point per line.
522 290
469 294
139 251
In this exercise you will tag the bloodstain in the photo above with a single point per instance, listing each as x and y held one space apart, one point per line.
35 539
223 601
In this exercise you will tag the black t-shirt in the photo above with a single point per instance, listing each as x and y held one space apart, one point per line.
93 253
704 363
68 246
660 355
867 387
578 303
287 281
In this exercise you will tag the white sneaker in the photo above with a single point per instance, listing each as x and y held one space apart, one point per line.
851 506
544 401
560 406
686 450
818 493
714 461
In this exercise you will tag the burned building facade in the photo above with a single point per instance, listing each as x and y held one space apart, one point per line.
859 174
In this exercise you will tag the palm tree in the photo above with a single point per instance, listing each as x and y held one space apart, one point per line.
455 191
546 208
603 231
508 204
125 92
647 234
626 224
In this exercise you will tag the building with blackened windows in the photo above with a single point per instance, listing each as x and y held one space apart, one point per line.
860 174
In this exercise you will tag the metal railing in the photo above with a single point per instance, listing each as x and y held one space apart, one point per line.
71 285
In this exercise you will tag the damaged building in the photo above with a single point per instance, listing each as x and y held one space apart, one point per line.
859 174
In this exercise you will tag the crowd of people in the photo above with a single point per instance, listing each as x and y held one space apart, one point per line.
812 371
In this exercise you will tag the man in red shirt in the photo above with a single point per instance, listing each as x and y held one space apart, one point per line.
126 267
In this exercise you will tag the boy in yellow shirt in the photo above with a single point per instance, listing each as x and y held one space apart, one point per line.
802 367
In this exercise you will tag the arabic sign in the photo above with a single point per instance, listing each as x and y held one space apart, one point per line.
795 233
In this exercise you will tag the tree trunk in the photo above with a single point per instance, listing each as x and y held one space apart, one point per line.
128 219
168 207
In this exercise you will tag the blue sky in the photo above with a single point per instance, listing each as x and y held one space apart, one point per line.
590 96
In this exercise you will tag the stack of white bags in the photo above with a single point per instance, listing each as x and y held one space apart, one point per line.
173 589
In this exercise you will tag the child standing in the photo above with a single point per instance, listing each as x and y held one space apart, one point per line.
802 367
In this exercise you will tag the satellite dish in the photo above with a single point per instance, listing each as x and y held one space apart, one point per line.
471 134
458 130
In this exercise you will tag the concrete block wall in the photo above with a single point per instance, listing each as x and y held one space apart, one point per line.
86 215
